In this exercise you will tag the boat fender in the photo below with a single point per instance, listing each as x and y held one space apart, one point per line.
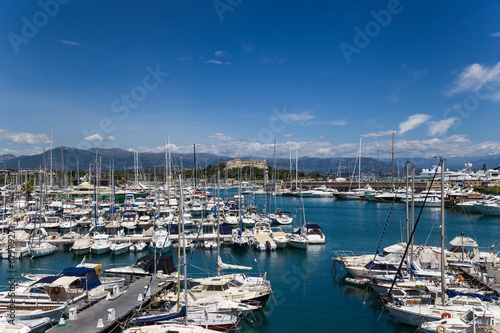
56 290
441 328
445 315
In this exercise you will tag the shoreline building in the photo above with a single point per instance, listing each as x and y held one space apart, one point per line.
239 163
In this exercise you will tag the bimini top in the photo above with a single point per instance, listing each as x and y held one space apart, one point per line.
165 263
312 226
463 241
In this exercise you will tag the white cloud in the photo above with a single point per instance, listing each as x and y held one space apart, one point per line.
32 150
217 62
93 137
296 117
475 77
220 137
222 54
495 34
412 122
440 127
111 138
23 138
68 42
377 134
336 122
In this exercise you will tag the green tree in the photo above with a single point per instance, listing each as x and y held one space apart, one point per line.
27 188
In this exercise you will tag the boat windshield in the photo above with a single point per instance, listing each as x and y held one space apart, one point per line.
141 264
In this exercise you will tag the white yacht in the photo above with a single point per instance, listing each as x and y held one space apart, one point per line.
262 237
101 244
312 232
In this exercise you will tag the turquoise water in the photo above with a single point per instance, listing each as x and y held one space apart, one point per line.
309 296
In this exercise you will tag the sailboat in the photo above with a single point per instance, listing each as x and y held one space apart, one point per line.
359 193
193 318
417 314
238 240
40 248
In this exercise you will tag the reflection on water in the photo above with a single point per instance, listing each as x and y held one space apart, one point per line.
309 296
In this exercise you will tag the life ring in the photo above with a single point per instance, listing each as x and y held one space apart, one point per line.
56 290
441 328
445 315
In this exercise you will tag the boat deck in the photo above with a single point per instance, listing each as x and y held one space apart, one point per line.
124 306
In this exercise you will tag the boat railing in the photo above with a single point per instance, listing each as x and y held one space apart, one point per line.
339 254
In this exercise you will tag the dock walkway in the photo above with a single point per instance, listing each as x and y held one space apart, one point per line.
124 306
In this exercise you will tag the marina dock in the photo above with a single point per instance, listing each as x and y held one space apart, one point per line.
89 320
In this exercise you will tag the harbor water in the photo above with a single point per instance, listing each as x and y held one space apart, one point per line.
309 294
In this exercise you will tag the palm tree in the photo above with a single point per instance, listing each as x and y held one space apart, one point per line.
27 188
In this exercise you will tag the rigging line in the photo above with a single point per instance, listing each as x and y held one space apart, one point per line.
195 243
398 273
386 223
430 232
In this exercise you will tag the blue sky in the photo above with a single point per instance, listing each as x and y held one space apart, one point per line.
233 75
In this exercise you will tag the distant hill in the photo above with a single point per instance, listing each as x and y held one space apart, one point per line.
6 157
72 158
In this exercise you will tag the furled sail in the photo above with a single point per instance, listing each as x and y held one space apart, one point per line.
223 266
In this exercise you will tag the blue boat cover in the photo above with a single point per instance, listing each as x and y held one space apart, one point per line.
154 319
47 279
89 280
453 293
173 229
225 229
312 226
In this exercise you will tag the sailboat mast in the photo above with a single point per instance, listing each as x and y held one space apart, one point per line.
51 157
195 169
412 214
95 192
392 173
443 258
166 171
359 165
291 179
407 205
297 170
183 249
218 219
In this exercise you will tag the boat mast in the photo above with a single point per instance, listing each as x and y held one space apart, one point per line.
412 221
166 172
51 157
392 173
407 205
195 169
95 192
291 179
218 220
359 165
443 258
297 169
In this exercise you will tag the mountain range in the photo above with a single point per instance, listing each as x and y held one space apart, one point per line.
73 159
